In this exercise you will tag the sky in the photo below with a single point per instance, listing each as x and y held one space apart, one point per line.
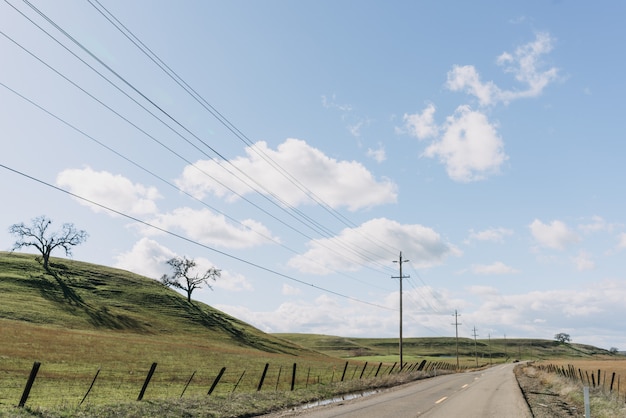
303 147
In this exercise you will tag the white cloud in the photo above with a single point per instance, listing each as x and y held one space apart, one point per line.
555 235
422 245
290 290
422 125
466 78
597 224
491 234
111 190
583 261
213 229
497 267
149 258
469 147
338 183
525 64
586 313
378 154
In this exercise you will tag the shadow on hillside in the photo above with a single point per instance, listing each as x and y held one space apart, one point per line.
61 293
237 333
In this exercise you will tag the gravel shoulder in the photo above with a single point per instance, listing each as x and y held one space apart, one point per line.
543 402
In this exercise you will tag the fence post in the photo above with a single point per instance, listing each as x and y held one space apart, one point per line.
217 379
586 400
29 383
293 377
308 373
91 386
145 383
612 380
263 377
239 381
343 375
280 369
188 382
377 370
363 371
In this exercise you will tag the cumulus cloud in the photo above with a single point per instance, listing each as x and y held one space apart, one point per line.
470 147
491 234
212 229
422 125
597 224
497 267
111 190
338 183
148 258
556 235
423 245
524 63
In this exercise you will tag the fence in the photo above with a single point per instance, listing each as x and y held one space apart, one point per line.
51 387
596 380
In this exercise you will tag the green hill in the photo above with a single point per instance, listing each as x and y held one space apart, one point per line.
80 297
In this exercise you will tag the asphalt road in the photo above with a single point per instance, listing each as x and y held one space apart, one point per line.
488 393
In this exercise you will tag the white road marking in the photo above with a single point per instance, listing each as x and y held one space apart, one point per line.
441 400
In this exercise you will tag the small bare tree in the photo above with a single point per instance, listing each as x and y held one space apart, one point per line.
186 278
38 236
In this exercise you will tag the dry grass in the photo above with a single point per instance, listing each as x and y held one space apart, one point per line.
604 402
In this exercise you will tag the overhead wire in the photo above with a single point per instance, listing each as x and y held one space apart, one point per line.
169 149
305 219
191 241
109 16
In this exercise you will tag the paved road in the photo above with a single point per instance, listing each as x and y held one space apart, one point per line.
489 393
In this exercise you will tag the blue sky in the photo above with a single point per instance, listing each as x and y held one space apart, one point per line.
301 146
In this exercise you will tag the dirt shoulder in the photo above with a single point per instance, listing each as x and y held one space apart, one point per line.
542 400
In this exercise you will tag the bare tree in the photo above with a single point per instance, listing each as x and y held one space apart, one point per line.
38 236
185 276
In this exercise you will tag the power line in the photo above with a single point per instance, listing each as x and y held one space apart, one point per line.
189 240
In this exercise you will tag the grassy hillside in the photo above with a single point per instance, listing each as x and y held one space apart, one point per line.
83 296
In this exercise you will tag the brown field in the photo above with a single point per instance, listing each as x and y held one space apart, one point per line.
606 366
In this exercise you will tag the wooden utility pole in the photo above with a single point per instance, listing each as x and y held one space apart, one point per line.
400 277
456 326
475 349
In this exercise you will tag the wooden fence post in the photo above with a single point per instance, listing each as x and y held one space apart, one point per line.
280 369
377 370
29 383
239 381
363 371
188 382
344 371
293 377
216 381
91 386
612 380
145 383
263 377
308 373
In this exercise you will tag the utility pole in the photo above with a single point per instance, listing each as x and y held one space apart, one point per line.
489 336
475 349
400 277
456 325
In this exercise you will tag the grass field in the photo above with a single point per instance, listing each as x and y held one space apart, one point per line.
86 319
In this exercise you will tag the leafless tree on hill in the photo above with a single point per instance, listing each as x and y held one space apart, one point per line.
37 235
186 278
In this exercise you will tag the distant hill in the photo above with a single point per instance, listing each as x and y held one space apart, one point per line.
85 296
507 349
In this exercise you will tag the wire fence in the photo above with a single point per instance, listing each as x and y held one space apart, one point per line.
49 386
608 383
